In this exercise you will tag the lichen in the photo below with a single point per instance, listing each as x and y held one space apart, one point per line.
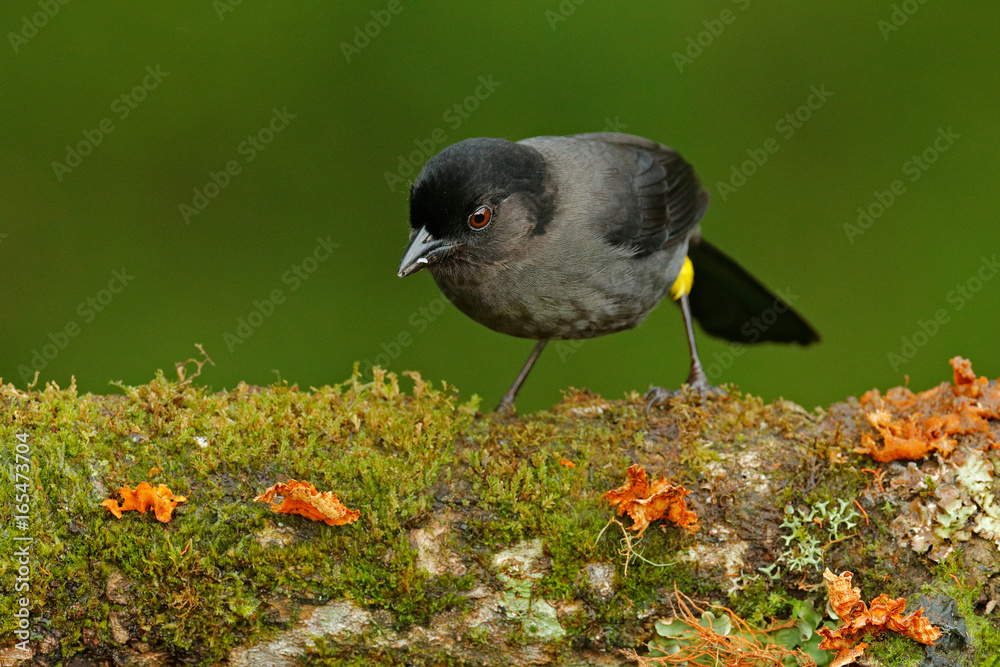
810 532
946 502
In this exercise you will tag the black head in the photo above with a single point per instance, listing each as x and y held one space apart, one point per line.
474 195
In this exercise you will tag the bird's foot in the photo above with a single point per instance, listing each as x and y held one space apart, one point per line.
506 406
658 396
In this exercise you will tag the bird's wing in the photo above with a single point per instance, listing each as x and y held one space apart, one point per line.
667 196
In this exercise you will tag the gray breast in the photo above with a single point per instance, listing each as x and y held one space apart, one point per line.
568 282
565 288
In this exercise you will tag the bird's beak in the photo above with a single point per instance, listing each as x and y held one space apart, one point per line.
423 250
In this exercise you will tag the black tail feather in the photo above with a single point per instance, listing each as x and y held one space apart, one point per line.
730 303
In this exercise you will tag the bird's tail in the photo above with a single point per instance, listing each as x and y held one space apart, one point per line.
730 303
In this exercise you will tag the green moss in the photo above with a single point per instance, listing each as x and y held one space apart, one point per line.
890 648
323 655
757 604
196 585
954 579
545 478
385 576
197 582
209 579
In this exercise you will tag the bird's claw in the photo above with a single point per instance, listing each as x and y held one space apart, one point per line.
657 396
506 406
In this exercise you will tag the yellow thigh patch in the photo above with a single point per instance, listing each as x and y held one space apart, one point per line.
685 279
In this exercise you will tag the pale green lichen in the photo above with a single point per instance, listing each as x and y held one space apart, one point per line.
947 502
811 531
517 568
977 474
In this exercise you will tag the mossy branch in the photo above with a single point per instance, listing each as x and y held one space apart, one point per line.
477 542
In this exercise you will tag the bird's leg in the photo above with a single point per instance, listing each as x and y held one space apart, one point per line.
697 380
507 402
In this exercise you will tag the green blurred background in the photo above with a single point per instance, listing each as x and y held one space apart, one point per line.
359 103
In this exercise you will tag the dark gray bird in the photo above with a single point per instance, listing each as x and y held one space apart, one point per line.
581 236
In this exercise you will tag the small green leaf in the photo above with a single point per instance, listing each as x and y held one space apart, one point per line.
720 625
672 628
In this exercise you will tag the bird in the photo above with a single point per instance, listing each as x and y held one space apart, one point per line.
578 236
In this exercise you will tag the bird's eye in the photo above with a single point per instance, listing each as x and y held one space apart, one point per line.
480 218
